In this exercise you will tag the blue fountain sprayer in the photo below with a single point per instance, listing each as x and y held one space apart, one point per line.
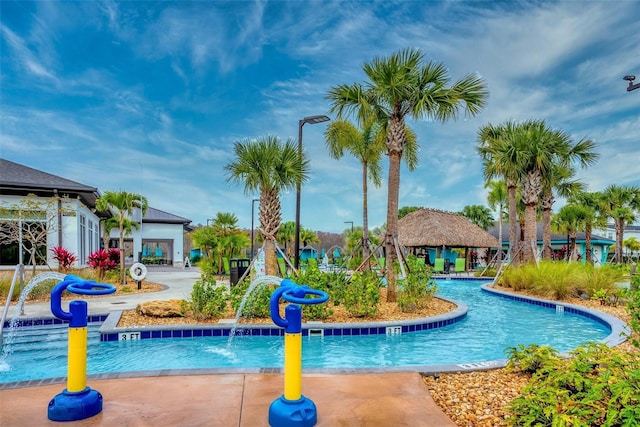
292 409
77 401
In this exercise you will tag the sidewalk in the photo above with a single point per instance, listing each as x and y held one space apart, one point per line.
178 281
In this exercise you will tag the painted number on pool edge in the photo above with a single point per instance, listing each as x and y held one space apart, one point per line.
128 336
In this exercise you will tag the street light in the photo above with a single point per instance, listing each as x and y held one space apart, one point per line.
252 215
312 120
631 86
350 222
210 220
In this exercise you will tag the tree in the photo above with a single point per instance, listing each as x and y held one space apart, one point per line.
307 237
620 203
123 204
560 180
402 86
479 215
406 210
570 220
497 198
226 232
367 146
28 222
500 161
287 235
591 202
632 246
270 167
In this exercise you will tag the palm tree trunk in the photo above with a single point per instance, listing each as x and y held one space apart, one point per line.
123 276
587 242
365 217
530 228
513 221
547 203
392 223
619 224
499 262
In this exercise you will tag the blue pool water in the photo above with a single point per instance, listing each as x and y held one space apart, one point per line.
493 323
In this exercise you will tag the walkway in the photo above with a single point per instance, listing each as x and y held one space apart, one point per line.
367 400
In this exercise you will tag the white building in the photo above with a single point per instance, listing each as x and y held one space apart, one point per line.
67 209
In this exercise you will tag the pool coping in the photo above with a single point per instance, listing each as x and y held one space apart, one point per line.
617 336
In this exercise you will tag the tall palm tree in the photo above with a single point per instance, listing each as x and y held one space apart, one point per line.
620 203
124 204
499 161
402 85
270 167
479 215
497 198
367 146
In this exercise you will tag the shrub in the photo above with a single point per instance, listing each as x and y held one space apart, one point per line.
361 294
64 258
257 303
326 282
596 386
417 289
208 300
633 307
104 260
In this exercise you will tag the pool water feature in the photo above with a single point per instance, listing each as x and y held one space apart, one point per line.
493 323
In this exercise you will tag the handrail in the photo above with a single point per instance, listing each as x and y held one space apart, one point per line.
9 295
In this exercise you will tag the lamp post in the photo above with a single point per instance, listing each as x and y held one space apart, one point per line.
252 215
210 220
312 120
350 222
631 86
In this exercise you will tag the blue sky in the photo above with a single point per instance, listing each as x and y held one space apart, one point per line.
149 97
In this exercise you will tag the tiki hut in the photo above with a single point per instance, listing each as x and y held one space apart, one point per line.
433 233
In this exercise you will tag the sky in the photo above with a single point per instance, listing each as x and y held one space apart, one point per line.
149 97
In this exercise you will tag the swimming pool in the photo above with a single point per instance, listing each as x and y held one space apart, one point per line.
492 324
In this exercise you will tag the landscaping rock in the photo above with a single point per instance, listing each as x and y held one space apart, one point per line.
171 308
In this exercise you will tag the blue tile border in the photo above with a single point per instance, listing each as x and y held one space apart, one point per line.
111 332
23 322
619 329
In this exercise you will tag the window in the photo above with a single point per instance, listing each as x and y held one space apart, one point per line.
83 237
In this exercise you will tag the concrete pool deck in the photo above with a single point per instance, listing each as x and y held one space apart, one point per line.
353 400
367 400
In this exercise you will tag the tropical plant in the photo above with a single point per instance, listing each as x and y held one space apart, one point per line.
632 245
590 202
124 204
403 86
64 258
479 215
104 260
366 145
406 210
417 289
571 219
268 166
497 199
208 299
287 236
620 203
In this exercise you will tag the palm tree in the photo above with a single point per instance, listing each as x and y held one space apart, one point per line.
559 180
632 246
400 86
500 161
591 202
225 227
620 203
287 235
367 146
123 203
270 167
497 198
479 215
569 220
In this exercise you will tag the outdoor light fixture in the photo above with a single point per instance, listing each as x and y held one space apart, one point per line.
312 120
350 222
631 86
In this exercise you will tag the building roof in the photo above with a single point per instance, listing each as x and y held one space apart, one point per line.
557 238
432 228
20 180
160 217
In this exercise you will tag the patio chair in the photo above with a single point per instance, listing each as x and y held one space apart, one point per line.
438 265
460 266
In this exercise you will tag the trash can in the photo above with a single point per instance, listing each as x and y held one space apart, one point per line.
237 267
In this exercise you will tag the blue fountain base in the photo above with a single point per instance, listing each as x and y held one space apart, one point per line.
72 406
292 413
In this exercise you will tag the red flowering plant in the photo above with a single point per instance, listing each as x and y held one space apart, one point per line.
64 258
104 260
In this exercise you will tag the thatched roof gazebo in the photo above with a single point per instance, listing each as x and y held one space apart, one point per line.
432 228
